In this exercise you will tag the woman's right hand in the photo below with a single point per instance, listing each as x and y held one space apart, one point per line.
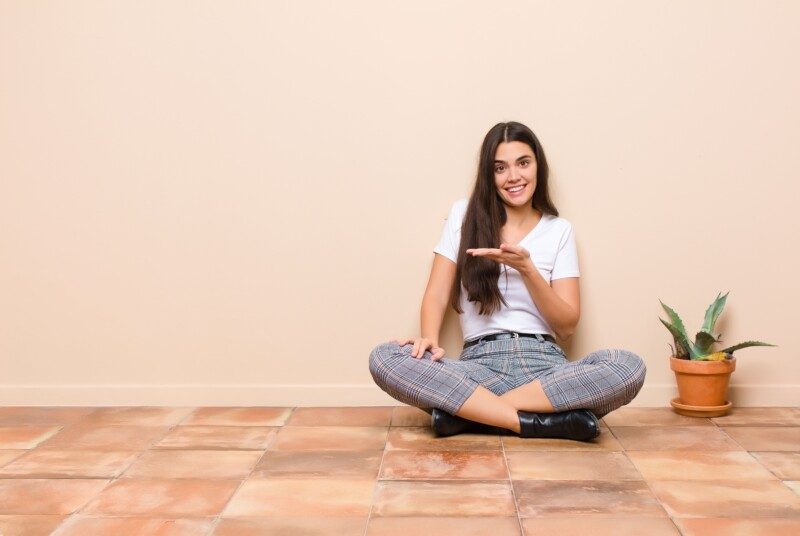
420 345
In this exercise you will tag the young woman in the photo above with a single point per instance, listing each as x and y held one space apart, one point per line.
508 265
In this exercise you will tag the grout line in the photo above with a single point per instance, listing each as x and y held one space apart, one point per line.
218 517
114 478
646 482
511 484
378 476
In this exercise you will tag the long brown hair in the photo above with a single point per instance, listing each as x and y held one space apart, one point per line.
486 215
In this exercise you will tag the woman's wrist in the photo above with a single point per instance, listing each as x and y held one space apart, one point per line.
432 340
528 268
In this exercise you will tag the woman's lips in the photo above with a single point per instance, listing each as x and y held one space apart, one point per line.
518 193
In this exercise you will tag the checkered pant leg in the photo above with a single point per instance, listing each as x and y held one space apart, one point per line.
420 382
602 381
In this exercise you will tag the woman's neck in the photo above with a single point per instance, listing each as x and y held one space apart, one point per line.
521 217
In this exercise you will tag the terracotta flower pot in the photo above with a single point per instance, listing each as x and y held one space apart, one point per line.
702 384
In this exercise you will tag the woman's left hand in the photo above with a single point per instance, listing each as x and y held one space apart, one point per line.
517 257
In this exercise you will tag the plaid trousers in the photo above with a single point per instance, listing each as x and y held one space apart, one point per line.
602 381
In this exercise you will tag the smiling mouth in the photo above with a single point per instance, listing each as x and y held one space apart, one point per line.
516 190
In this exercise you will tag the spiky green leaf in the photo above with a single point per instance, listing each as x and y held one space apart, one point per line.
703 341
674 319
713 312
682 346
746 344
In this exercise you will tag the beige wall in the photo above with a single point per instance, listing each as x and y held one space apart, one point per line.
234 202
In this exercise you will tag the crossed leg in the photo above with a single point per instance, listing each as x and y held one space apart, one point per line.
464 388
602 381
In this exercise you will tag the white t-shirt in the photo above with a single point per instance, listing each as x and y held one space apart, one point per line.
553 251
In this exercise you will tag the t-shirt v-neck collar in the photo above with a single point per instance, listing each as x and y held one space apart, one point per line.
534 230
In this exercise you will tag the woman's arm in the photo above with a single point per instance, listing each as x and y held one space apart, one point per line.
437 297
559 304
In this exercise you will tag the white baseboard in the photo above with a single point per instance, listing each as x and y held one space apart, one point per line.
304 395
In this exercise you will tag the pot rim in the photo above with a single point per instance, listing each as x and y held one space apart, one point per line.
702 367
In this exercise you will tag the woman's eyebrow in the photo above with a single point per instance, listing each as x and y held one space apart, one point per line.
518 159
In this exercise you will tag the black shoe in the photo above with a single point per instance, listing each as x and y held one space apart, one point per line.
578 424
444 424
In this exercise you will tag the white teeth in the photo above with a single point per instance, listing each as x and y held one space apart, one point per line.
517 189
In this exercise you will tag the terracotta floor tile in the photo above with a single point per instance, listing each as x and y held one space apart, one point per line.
571 466
29 525
736 527
784 465
218 438
602 443
760 417
284 497
194 464
292 526
25 437
330 438
691 438
410 416
443 498
770 438
7 456
422 438
315 471
41 463
370 416
627 416
594 526
734 498
97 437
41 416
163 498
359 465
578 498
47 497
134 526
413 465
248 416
138 416
687 465
444 526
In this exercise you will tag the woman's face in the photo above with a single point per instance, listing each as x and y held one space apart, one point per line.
515 173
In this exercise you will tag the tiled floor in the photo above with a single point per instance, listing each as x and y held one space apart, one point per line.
342 471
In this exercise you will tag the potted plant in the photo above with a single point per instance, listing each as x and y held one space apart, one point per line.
702 375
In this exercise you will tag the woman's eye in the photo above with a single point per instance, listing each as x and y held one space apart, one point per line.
498 169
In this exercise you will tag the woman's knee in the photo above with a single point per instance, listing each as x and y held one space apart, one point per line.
379 355
636 367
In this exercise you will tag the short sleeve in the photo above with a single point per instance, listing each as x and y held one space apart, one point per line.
449 241
566 263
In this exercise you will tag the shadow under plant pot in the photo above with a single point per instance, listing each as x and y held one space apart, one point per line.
702 386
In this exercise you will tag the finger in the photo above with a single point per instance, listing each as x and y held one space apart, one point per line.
423 347
479 251
415 349
438 354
